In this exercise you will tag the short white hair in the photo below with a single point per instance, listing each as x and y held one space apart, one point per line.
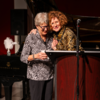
41 18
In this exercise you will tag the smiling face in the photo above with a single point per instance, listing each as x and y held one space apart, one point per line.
43 29
55 24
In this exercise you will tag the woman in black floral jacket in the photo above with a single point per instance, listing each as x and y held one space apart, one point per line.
40 69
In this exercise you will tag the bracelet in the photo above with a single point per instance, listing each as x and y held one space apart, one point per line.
33 57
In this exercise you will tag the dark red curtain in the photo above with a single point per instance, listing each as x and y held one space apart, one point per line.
5 28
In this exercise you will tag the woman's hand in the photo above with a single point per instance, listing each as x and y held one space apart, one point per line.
40 55
33 31
54 43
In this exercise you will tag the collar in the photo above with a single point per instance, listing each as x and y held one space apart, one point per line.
58 35
39 37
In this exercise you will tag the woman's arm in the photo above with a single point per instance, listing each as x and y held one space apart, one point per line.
54 43
26 55
26 50
39 55
33 31
71 40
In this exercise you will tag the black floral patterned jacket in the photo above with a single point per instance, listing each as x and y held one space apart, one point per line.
37 69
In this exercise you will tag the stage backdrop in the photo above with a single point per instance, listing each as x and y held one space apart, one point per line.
5 28
79 7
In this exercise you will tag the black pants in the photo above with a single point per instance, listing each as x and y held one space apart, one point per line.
41 90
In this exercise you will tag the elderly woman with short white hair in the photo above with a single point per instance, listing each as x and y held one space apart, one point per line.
39 70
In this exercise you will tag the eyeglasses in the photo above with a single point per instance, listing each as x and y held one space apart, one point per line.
43 27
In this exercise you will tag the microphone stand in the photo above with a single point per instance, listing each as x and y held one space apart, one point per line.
77 55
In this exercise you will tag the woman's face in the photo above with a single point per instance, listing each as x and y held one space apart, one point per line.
43 29
55 23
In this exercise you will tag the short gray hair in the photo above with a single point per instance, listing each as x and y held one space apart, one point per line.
41 18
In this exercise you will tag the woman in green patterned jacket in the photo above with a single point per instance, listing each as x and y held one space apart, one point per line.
64 37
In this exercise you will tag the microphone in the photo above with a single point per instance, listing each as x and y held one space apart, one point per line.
78 21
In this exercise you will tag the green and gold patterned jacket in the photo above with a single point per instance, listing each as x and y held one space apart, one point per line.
66 39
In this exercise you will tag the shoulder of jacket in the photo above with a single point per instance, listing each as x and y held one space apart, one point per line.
69 31
31 38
